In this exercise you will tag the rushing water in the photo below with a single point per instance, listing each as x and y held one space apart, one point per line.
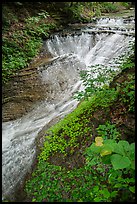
97 43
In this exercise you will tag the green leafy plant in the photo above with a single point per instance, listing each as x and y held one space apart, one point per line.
35 19
128 94
95 80
109 7
128 60
64 134
24 44
121 155
108 131
116 161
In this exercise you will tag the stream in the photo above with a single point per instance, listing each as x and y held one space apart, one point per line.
76 48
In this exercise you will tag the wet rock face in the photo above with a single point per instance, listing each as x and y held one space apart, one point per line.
19 98
22 91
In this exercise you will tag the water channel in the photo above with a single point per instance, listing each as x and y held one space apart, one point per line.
77 48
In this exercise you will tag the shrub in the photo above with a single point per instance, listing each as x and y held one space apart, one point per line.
108 7
24 44
116 161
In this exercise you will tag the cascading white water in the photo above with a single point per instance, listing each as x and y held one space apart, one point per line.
71 54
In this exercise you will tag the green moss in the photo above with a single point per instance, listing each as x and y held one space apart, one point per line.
75 125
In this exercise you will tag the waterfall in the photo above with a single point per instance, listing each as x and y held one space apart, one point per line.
78 50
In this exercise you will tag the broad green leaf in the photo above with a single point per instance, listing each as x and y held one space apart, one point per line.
105 152
131 154
114 145
105 193
132 189
33 200
133 164
97 199
110 141
94 148
119 149
106 159
118 185
106 149
113 194
119 161
132 147
125 144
